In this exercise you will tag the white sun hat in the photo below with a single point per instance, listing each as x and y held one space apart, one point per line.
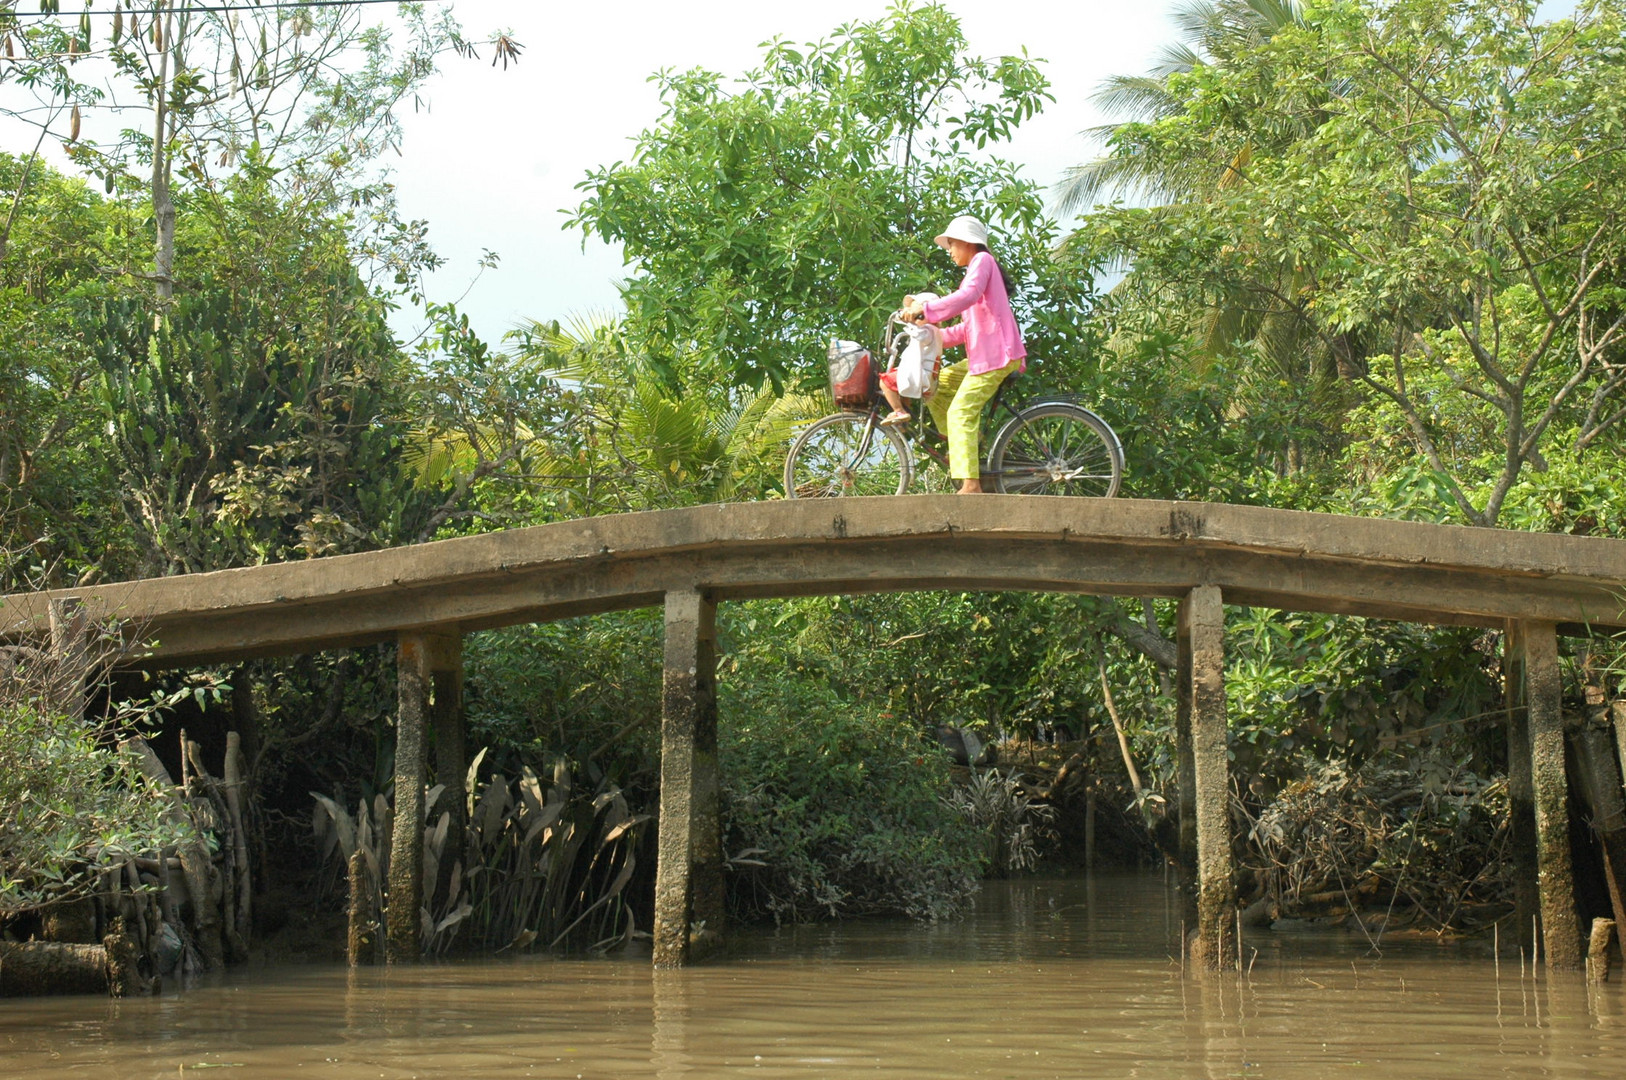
965 227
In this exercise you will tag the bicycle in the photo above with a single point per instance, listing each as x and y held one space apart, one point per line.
1054 446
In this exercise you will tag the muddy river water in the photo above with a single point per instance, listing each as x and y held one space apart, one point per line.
1070 978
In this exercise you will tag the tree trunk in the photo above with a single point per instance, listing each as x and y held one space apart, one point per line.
163 203
37 968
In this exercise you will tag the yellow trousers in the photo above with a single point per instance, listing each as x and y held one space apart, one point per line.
957 409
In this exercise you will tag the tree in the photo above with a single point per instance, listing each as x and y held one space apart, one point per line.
260 418
1212 31
764 216
58 520
1447 225
312 90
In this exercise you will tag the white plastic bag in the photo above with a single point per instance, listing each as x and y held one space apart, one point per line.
917 367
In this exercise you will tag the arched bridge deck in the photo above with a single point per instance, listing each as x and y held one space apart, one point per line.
1259 556
426 597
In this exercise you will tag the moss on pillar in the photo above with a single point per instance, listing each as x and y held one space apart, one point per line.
1560 927
403 934
688 875
1202 648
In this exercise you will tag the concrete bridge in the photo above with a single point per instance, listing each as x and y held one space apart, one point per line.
425 598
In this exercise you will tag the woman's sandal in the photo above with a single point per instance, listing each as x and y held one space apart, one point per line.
894 418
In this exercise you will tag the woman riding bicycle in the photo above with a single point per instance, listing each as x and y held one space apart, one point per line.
992 340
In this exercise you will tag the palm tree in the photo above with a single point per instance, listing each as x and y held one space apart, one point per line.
1211 31
1267 314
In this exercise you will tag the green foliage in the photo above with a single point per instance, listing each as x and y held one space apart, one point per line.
537 862
1350 687
766 215
637 435
1010 820
261 416
70 808
1458 268
841 805
58 518
584 689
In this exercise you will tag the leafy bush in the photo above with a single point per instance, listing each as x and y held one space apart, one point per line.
586 689
1011 821
69 808
834 809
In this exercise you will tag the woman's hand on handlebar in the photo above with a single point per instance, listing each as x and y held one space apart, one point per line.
911 311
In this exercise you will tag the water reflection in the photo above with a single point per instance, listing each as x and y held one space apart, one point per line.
1046 979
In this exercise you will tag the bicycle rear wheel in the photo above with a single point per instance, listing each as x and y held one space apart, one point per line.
1057 449
847 454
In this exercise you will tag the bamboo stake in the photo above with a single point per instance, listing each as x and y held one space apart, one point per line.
1597 954
234 805
1123 743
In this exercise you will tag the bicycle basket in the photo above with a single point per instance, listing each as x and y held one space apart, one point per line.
852 374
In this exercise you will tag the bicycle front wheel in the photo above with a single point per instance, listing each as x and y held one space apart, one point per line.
1057 449
847 454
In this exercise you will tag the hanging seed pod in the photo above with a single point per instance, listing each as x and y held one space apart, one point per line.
73 125
10 55
84 28
158 33
118 24
73 46
107 184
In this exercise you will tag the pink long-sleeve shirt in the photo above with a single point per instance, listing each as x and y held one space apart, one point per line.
988 331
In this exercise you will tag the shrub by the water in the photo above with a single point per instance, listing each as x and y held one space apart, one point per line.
69 807
834 809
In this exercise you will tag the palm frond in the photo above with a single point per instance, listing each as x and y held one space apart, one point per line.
1127 176
1276 15
1178 58
1201 22
1140 96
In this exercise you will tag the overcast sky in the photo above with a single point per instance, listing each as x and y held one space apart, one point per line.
494 161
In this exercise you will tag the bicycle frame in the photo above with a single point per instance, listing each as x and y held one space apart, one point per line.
987 430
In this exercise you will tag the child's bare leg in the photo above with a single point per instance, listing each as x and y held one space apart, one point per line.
894 399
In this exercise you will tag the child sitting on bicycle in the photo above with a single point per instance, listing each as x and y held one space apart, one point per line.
992 340
915 375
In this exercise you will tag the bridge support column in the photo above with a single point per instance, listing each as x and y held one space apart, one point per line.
1520 796
416 657
1560 926
1185 776
70 655
1201 641
451 754
689 869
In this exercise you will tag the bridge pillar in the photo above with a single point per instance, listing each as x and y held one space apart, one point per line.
451 754
70 655
1185 775
417 655
1560 926
689 867
1201 643
1520 795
